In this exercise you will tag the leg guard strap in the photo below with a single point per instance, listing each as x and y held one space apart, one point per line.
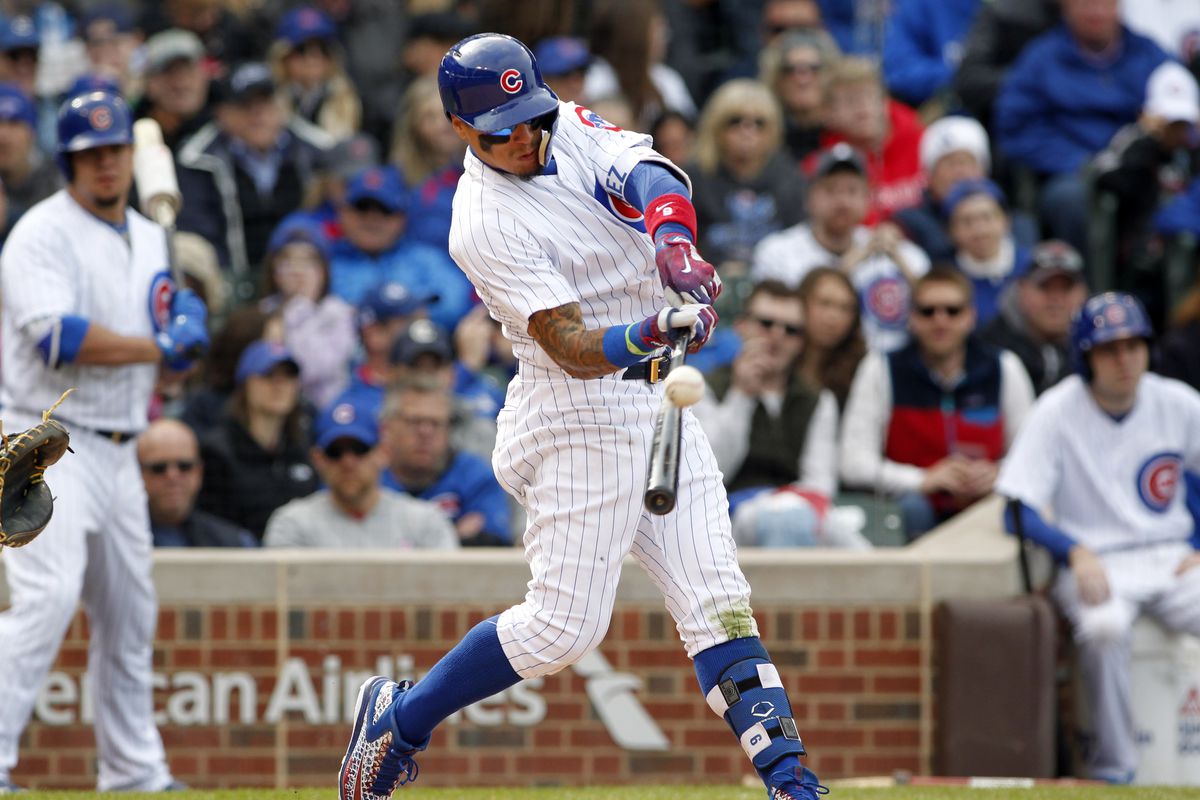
751 698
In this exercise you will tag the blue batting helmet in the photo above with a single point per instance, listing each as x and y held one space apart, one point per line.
92 119
492 82
1106 318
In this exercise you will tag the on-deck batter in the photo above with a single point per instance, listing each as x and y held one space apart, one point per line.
1105 450
550 224
87 303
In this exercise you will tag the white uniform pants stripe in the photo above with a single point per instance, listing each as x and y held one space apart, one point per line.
97 548
575 454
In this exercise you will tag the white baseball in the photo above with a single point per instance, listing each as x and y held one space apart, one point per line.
684 386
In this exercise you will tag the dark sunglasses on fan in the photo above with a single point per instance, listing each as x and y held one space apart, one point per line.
160 467
766 323
928 312
341 447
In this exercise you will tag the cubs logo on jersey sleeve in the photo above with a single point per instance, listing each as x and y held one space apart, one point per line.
625 212
162 291
594 120
1158 479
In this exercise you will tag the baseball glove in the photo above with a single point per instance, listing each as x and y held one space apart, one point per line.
26 503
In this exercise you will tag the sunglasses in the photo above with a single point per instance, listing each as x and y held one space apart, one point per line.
543 123
160 467
803 68
738 120
766 323
928 312
341 447
367 206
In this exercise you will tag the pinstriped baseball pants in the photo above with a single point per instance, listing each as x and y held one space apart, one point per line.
97 548
575 454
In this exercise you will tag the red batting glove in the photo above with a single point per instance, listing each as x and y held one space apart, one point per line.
687 277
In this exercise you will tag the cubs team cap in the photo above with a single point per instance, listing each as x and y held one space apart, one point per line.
350 156
246 82
346 421
381 184
171 46
840 157
16 106
260 357
422 337
19 33
562 55
969 188
1052 258
392 299
304 25
1172 94
299 227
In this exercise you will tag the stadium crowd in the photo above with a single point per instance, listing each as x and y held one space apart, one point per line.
907 201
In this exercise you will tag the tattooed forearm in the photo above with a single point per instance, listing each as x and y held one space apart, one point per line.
578 350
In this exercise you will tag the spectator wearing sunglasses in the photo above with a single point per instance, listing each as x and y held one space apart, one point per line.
257 457
306 61
374 249
929 423
769 428
880 263
172 471
354 511
792 66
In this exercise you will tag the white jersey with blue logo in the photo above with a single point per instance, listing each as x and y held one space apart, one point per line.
60 260
1108 484
530 244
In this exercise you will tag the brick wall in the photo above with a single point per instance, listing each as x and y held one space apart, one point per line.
857 676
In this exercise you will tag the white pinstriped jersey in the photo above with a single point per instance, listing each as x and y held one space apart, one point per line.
530 244
1110 484
60 260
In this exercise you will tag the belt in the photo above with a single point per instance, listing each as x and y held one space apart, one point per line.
116 437
651 371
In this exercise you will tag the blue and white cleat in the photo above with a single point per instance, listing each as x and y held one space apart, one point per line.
377 760
799 783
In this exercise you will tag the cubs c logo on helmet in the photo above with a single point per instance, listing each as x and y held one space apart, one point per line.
511 81
100 118
1158 479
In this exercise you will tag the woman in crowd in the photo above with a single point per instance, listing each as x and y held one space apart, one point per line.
834 342
792 67
256 459
317 326
310 75
984 249
743 185
430 157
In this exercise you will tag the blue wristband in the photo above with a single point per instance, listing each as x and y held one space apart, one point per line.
620 347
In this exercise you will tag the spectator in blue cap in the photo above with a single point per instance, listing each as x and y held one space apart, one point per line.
354 511
386 310
564 61
107 33
19 46
374 249
984 249
176 91
308 66
246 171
318 327
27 175
256 458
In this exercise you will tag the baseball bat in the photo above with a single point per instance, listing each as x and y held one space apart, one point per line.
158 189
662 481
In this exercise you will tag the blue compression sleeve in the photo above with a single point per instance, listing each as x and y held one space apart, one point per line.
63 340
1038 530
649 181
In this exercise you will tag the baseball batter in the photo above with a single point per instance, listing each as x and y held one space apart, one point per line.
87 303
550 224
1103 451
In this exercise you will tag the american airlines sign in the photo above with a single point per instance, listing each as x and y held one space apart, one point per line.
327 698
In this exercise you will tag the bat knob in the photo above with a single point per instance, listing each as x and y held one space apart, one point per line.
659 503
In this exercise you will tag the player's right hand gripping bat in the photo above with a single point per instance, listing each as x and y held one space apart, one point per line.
662 481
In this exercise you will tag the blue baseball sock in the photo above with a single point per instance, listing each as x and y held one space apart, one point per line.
743 687
476 668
